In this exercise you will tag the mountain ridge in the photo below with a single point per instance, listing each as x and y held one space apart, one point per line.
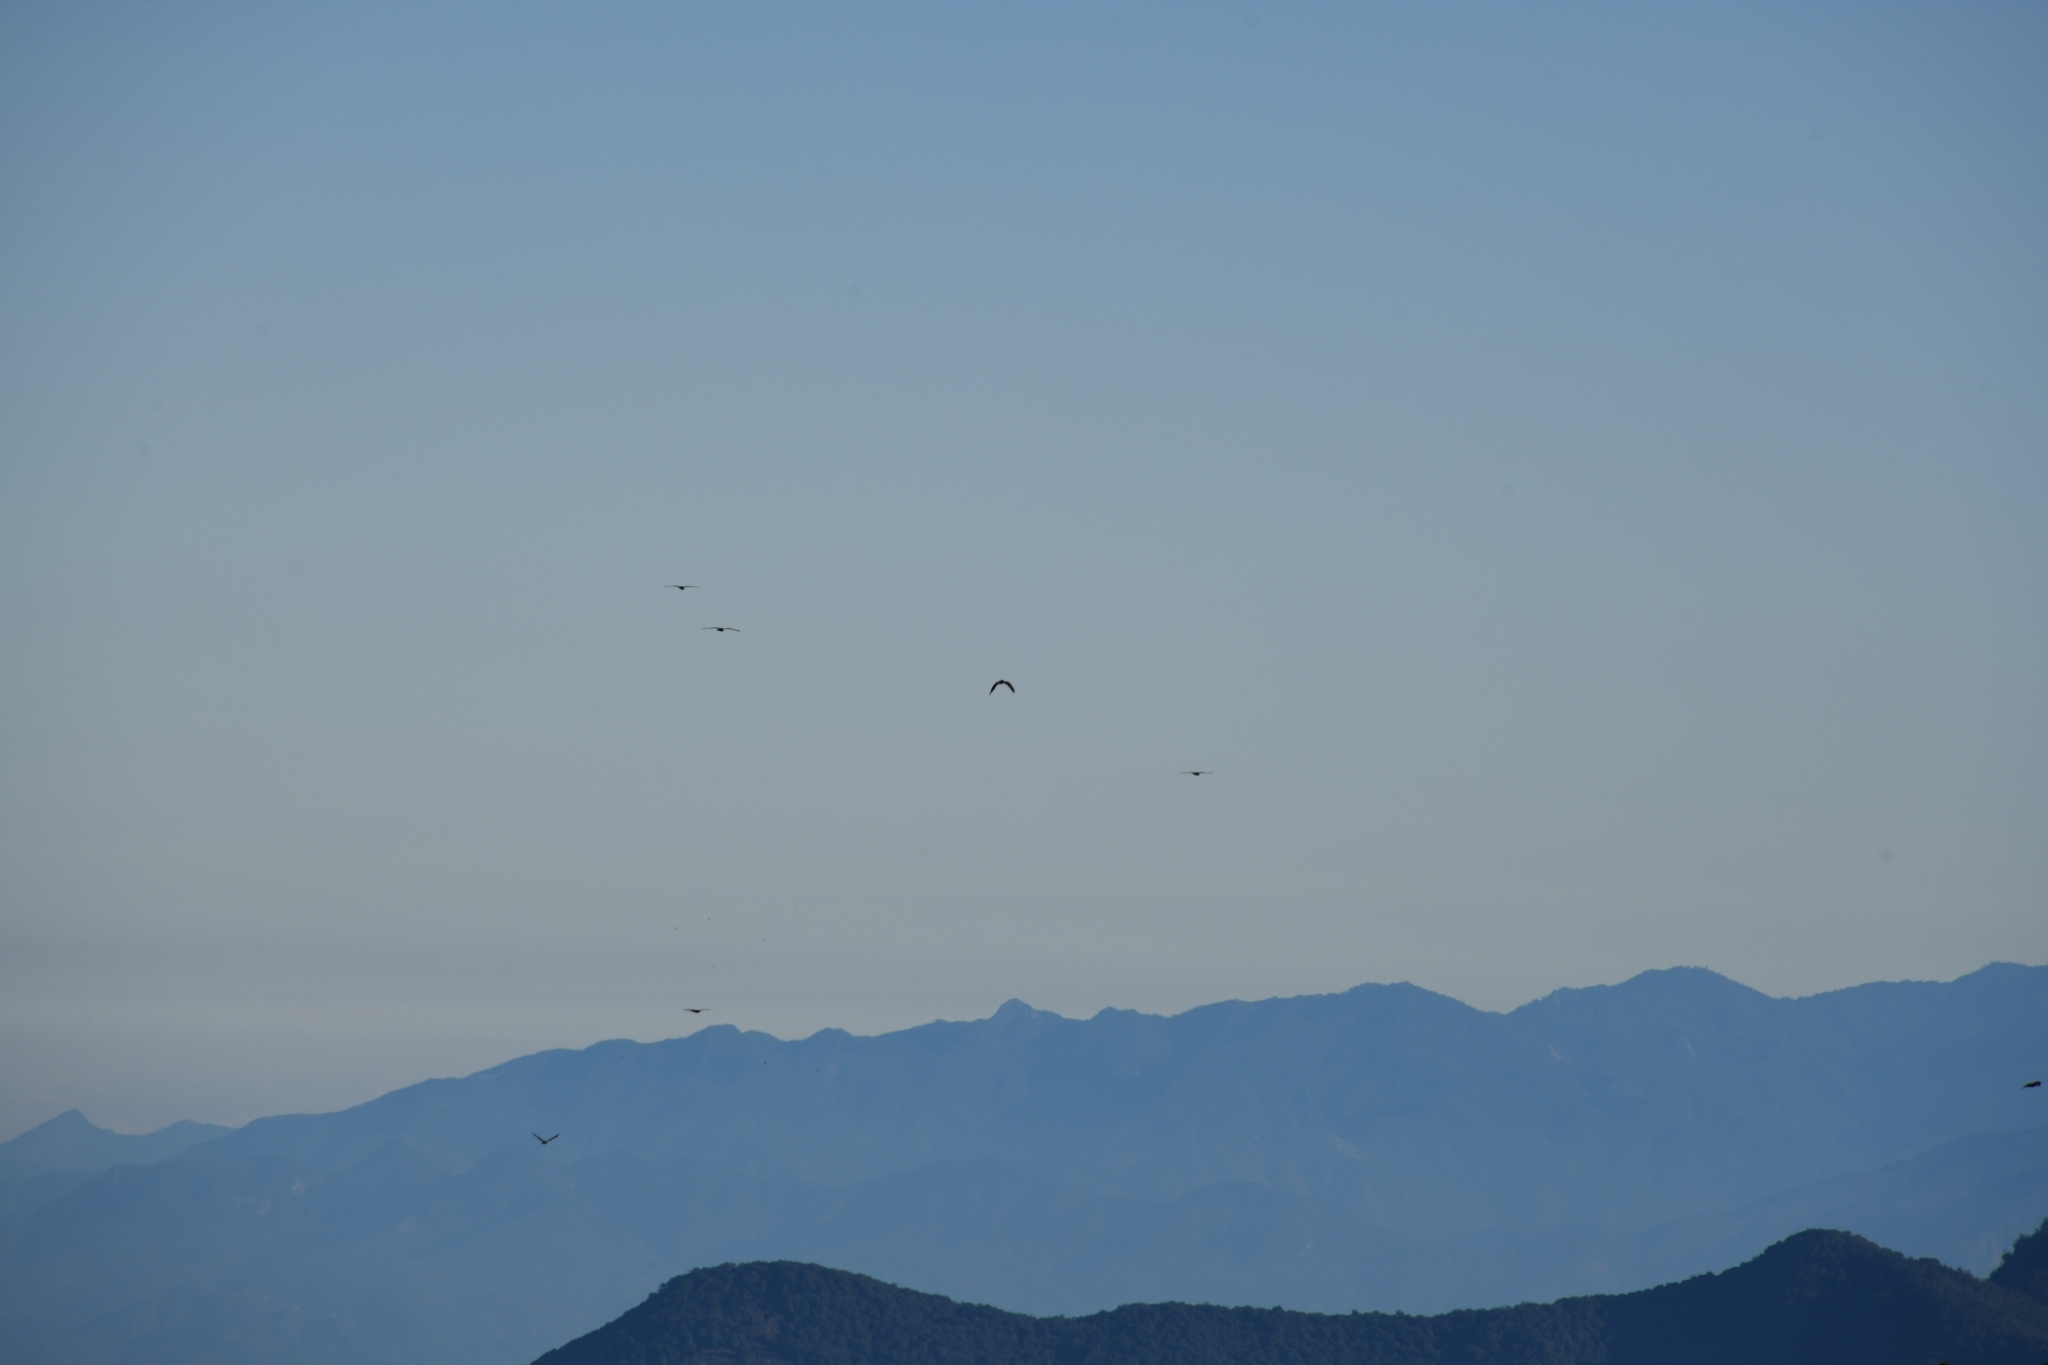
71 1141
1009 1069
1815 1298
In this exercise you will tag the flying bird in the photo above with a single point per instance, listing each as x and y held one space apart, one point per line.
1196 772
680 587
2031 1085
1002 682
544 1141
723 629
688 1010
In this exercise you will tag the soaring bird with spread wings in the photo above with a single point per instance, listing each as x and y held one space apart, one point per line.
544 1141
1002 682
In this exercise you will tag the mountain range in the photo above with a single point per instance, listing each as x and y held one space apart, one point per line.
1385 1148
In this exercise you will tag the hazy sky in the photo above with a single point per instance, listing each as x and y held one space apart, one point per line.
1578 475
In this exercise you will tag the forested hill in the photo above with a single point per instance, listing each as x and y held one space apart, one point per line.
1813 1299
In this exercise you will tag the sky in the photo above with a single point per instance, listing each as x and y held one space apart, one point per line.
1578 475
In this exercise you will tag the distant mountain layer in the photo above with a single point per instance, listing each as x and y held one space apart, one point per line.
1819 1298
1630 1105
72 1142
1385 1148
61 1155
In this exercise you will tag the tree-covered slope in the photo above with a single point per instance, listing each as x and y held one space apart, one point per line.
1819 1298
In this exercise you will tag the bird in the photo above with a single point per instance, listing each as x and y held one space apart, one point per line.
681 587
1002 682
1196 772
688 1010
544 1141
2031 1085
722 629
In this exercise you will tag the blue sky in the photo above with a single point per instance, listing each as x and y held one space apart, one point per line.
1577 478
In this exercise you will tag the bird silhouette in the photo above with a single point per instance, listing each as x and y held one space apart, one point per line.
1196 772
723 629
680 587
2031 1085
544 1141
688 1010
1002 682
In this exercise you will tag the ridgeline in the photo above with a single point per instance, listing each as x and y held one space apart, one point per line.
1816 1298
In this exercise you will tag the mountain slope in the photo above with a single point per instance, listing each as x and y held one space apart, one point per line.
1813 1299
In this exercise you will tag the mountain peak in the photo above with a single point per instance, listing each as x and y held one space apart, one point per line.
70 1122
1686 985
50 1143
71 1141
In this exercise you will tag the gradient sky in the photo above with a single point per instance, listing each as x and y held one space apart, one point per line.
1579 476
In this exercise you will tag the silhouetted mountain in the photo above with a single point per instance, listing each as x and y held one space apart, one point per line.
60 1155
73 1142
1632 1104
1814 1299
1384 1148
1962 1203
